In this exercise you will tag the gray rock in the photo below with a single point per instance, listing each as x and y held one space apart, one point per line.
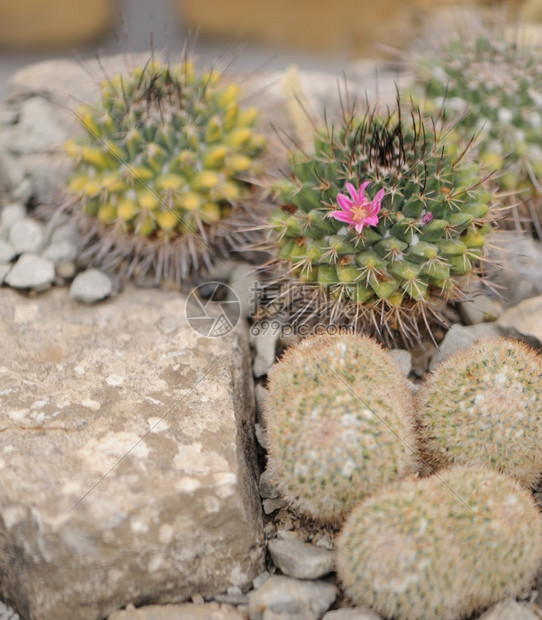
60 252
6 252
259 392
127 456
300 560
460 337
480 309
6 613
187 611
91 286
285 597
31 271
265 343
352 613
510 610
270 505
244 284
266 487
4 270
260 580
27 236
261 435
11 213
523 321
522 265
404 359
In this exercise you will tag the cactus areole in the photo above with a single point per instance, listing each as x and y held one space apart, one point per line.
162 169
378 227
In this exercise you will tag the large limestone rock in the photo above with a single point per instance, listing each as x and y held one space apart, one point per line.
126 456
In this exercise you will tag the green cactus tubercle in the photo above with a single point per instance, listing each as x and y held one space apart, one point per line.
432 225
166 152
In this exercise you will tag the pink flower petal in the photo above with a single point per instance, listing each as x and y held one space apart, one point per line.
371 220
341 216
353 192
361 192
359 226
344 202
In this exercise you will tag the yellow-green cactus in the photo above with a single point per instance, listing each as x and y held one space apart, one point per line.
483 405
167 155
339 419
380 225
491 84
441 547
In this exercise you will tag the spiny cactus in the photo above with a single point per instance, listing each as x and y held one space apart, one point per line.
339 422
483 405
495 81
162 170
386 257
441 547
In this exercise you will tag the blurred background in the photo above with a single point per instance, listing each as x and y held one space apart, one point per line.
323 35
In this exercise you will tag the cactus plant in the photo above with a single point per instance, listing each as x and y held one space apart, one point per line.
338 414
441 547
495 81
162 169
386 257
483 405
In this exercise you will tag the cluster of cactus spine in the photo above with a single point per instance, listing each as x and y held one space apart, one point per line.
166 157
432 226
441 547
494 81
484 406
339 420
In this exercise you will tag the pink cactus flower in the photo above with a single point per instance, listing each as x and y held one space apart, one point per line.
427 218
358 211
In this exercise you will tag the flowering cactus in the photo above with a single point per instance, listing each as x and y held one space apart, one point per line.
384 258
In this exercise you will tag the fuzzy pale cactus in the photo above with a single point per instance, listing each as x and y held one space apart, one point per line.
441 547
483 405
378 227
162 169
491 83
339 422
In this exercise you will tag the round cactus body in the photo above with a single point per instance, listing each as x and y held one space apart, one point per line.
165 160
483 405
382 222
491 84
339 422
441 547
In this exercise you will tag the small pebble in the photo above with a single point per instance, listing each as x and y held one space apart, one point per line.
480 309
60 252
284 597
31 272
265 344
27 237
91 286
301 560
261 579
4 270
11 213
404 359
7 254
270 505
266 487
244 284
511 610
523 321
261 435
